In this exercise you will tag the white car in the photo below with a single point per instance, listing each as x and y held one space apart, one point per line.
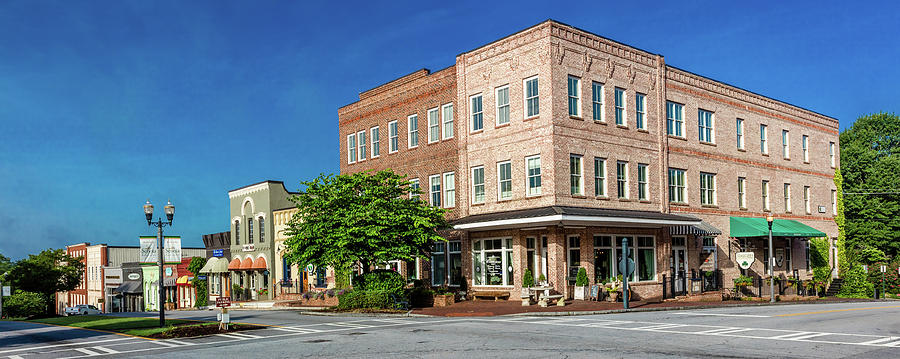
82 309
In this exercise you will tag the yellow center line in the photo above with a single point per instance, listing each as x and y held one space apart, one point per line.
835 310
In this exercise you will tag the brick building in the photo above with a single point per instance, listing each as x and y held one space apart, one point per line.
551 146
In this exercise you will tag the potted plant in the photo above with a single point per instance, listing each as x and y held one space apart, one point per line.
443 298
581 282
614 289
527 283
542 280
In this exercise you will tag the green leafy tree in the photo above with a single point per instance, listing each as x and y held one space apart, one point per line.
6 265
870 164
46 273
195 266
856 284
363 217
24 304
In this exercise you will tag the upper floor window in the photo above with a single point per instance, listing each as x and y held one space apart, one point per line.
503 105
787 197
642 181
361 137
675 119
806 204
575 175
763 139
413 128
640 112
532 106
477 112
740 134
533 171
676 186
504 182
833 202
478 184
394 137
434 125
376 142
620 106
707 188
447 117
597 101
599 177
622 178
262 229
414 188
449 190
351 148
249 230
574 85
742 192
785 144
831 153
804 144
765 195
705 124
434 186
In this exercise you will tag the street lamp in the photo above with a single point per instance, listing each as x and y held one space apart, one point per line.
771 219
169 209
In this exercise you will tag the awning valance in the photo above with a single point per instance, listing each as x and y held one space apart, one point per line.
702 229
247 264
215 265
570 216
184 280
260 264
235 264
758 227
130 288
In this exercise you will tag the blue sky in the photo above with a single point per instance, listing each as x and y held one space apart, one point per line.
106 104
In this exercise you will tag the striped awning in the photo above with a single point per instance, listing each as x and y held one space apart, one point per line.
702 229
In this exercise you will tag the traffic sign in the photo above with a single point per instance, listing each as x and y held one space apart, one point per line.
883 269
744 259
223 302
7 291
626 267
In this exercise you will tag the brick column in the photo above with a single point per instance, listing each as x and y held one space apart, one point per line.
556 261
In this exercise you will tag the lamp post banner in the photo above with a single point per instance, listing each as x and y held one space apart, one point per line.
148 250
172 251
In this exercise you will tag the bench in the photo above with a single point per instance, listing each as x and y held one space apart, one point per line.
400 304
494 294
546 298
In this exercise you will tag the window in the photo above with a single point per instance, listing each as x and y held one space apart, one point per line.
763 140
574 260
351 148
532 106
477 113
785 144
597 101
599 177
646 258
414 188
394 137
413 127
447 117
806 199
434 125
449 190
831 153
705 123
502 105
639 111
249 230
533 170
492 262
642 182
504 183
478 184
262 229
607 255
676 186
529 254
376 142
438 264
454 256
434 185
575 175
707 189
620 106
833 202
742 193
765 195
675 119
740 134
574 96
622 179
787 198
805 146
361 137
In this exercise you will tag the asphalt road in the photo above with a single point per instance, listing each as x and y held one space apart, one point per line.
864 330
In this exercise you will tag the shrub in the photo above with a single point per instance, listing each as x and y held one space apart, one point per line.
381 280
528 279
581 280
307 296
24 304
329 293
420 296
856 283
743 281
542 278
366 299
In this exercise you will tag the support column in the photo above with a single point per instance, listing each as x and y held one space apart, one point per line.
556 261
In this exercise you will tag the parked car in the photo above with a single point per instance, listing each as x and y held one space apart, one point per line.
82 309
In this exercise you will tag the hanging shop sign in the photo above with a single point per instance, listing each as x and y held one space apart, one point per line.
744 259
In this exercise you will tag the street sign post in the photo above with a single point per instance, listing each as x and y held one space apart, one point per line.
883 270
626 268
223 302
224 317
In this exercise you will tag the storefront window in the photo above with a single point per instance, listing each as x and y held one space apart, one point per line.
438 264
529 245
412 270
603 258
492 262
455 260
607 254
646 265
574 258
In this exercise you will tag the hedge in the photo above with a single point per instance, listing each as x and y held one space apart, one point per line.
366 299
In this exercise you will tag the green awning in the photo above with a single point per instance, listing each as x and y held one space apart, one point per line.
758 227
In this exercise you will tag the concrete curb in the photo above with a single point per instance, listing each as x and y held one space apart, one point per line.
371 315
686 307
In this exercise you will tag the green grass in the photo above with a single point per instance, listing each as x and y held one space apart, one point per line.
144 332
127 325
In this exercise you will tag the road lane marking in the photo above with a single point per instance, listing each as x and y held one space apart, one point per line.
86 351
804 337
732 331
724 315
69 344
789 335
835 311
296 330
876 341
15 357
350 325
178 342
104 349
658 327
229 336
893 344
711 331
248 336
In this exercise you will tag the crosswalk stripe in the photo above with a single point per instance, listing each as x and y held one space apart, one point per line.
164 343
880 340
249 336
660 327
105 349
892 344
15 357
178 342
86 351
296 330
790 335
350 325
229 336
804 337
395 321
714 331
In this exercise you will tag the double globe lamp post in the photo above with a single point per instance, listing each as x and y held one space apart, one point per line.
170 214
771 263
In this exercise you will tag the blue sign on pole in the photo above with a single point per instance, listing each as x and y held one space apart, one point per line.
201 277
218 252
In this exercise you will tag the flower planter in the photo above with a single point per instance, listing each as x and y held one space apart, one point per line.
444 300
581 293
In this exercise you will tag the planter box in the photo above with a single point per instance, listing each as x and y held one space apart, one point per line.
444 300
321 302
581 293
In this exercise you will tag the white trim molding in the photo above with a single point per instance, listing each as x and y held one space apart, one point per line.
573 220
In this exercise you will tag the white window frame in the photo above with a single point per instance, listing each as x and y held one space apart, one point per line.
351 148
576 190
707 189
600 178
764 139
361 144
740 133
536 190
622 180
412 132
786 144
806 200
375 135
640 111
500 106
834 202
620 114
677 122
526 98
574 97
447 123
434 125
787 198
634 245
505 251
742 192
643 186
475 185
764 191
831 149
597 102
501 181
449 189
804 144
431 190
477 113
709 130
675 188
416 186
393 137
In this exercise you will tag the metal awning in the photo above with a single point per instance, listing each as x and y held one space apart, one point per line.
570 216
702 229
215 265
742 227
130 288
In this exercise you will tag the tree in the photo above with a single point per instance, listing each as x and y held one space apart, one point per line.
6 265
870 164
46 273
855 284
363 217
195 266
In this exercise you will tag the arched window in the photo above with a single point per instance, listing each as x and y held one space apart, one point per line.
237 232
262 230
250 231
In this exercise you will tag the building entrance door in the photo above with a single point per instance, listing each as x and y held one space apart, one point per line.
679 268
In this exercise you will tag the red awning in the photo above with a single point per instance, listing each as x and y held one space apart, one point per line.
260 264
235 264
247 264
